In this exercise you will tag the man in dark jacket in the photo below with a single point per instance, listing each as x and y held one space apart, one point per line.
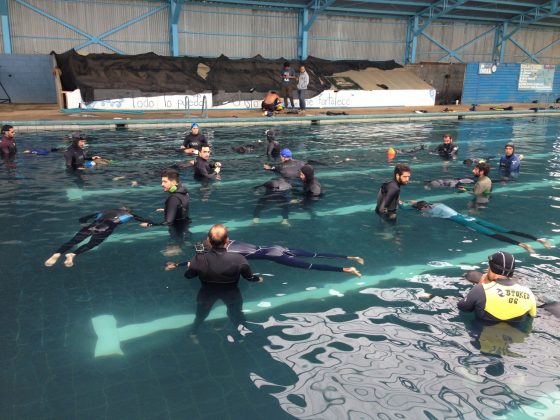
388 197
75 155
194 141
204 170
219 272
289 168
8 147
447 149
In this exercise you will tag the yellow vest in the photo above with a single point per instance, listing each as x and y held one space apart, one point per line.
508 302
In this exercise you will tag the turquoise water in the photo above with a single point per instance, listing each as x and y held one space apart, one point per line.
109 337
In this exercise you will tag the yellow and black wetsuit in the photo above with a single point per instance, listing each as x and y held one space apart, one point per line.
500 300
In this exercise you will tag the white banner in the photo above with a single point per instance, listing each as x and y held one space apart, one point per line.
326 99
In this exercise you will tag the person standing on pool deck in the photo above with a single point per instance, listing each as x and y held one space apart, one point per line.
303 81
176 211
388 197
105 222
442 211
498 297
194 141
204 170
289 168
510 163
288 75
219 272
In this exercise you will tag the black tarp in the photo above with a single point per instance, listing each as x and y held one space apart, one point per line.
106 76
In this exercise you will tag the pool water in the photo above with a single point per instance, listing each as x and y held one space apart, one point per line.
110 337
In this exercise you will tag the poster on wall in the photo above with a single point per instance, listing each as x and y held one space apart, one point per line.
538 77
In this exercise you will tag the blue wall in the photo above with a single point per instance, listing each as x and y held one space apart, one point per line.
501 87
28 78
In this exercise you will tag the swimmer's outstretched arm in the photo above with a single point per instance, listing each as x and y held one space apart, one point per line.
173 265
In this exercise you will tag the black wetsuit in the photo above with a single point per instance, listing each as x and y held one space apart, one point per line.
447 150
273 148
277 192
195 142
104 224
203 169
289 169
281 255
8 147
176 213
388 200
311 188
219 273
75 157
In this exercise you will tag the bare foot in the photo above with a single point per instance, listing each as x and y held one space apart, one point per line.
69 262
528 247
52 260
170 266
285 222
359 260
256 220
545 243
352 270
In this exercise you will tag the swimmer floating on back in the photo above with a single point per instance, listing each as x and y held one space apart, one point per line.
280 255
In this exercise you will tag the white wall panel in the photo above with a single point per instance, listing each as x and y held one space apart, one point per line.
33 33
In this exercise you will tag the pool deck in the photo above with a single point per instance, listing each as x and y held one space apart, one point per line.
31 117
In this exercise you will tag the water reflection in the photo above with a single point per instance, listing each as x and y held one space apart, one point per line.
410 359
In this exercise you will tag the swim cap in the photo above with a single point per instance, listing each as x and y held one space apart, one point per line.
286 153
269 133
502 263
194 125
89 164
391 153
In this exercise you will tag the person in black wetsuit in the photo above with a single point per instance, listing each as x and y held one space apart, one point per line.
203 170
8 147
194 141
100 229
277 192
447 149
388 197
219 272
311 186
75 155
280 255
273 147
176 211
497 297
289 168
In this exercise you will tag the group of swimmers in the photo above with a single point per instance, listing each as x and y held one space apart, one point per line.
277 192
